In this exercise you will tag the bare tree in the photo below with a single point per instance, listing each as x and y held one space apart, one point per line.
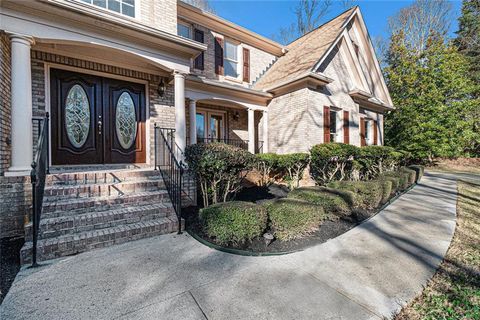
347 4
309 13
380 45
419 19
201 4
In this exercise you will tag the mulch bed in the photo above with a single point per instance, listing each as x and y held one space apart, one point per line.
329 229
9 263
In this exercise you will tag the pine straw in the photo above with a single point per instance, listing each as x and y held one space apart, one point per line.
454 290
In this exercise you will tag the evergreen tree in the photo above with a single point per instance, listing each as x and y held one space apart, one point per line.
433 97
468 36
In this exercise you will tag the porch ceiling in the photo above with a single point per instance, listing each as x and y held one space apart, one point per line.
103 54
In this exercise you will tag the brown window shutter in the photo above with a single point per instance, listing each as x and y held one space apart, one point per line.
199 61
346 127
326 124
375 129
219 56
362 132
246 65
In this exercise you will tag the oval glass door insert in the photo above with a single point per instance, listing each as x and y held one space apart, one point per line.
77 116
125 121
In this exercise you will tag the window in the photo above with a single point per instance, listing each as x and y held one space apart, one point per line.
125 7
183 30
368 128
333 126
230 59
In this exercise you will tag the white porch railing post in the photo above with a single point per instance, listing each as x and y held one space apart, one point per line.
180 114
193 121
265 132
251 130
21 95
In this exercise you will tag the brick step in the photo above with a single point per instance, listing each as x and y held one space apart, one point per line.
98 177
60 192
72 244
63 225
76 206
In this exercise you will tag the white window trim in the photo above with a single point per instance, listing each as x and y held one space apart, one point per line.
189 26
136 8
239 61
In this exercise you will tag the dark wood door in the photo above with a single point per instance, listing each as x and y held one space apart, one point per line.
96 120
125 131
76 107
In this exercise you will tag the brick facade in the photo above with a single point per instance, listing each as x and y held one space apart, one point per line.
296 118
259 60
5 102
159 14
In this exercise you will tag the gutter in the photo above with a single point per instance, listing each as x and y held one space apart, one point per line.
228 86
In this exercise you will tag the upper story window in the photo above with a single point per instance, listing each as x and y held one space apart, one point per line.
125 7
333 126
230 59
184 30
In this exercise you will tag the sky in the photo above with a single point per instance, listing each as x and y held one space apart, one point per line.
267 17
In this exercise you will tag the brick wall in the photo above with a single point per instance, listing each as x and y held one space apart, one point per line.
15 205
159 14
259 60
5 102
296 119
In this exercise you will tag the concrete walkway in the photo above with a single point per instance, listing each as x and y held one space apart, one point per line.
367 273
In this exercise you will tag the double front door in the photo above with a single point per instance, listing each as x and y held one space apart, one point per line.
210 126
96 120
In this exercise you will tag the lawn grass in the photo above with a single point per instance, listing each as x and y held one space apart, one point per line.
454 290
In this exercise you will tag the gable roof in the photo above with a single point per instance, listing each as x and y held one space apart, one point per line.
304 53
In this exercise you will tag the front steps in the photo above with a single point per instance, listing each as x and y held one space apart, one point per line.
95 209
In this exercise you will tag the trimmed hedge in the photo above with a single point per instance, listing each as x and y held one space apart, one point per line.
367 194
234 222
386 190
403 179
412 175
419 170
395 181
331 200
332 161
292 218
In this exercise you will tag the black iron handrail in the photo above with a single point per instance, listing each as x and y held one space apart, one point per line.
168 160
40 169
243 144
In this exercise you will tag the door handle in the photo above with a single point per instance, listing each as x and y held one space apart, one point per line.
99 127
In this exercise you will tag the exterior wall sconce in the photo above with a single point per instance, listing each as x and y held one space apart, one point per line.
236 115
161 88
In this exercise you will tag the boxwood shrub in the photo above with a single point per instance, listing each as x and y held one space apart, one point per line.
331 200
292 218
412 175
386 190
332 161
367 194
419 170
234 222
403 182
395 181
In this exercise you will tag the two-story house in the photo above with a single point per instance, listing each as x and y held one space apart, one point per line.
108 71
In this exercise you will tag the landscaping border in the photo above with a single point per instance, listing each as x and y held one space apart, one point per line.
247 253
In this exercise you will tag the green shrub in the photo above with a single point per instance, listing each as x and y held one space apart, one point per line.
403 178
219 169
267 166
419 170
332 161
386 190
367 194
292 218
374 160
329 199
395 181
292 166
412 175
234 222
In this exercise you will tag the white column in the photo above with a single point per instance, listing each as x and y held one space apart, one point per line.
251 130
21 86
180 114
265 132
193 121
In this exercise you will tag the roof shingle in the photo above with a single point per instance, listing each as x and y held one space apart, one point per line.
303 53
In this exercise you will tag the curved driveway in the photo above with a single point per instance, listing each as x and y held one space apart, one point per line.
366 273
